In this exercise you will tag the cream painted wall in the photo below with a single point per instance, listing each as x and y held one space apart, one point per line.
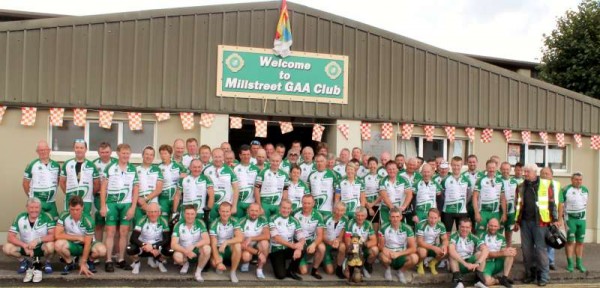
217 133
353 136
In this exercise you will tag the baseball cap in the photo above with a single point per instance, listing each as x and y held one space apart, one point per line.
255 142
444 165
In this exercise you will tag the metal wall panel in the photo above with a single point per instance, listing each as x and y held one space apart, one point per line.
165 60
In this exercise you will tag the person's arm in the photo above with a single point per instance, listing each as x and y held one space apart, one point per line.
62 183
412 247
319 236
26 186
214 249
264 235
385 198
238 237
156 192
407 199
134 200
561 211
421 243
236 194
175 245
363 198
176 199
210 191
257 195
135 238
87 248
503 208
475 203
381 242
59 234
96 184
205 240
165 239
103 192
454 255
372 241
13 239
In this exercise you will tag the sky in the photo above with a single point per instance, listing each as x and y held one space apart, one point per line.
511 29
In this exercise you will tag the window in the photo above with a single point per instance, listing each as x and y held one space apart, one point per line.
419 146
63 137
542 155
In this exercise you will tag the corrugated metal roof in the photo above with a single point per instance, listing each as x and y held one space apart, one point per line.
165 60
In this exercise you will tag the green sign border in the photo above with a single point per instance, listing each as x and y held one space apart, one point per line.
322 99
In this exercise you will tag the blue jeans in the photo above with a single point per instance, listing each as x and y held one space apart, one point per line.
533 245
550 255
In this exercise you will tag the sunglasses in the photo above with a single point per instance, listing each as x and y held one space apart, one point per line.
79 140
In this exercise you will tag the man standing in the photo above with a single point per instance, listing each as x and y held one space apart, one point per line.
150 179
362 169
467 254
322 183
271 186
205 155
225 238
510 189
287 242
359 226
307 164
394 191
256 239
473 175
340 168
312 226
195 190
398 247
573 205
490 190
425 191
547 173
178 151
41 179
74 236
455 189
225 183
118 200
79 177
31 235
104 159
246 173
535 210
254 147
384 158
191 144
500 257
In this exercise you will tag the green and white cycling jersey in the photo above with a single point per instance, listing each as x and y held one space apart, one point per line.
28 232
372 187
455 193
382 172
510 190
253 228
271 184
186 159
519 180
306 169
494 243
362 171
396 239
151 232
465 247
350 192
431 234
171 173
395 189
295 193
340 169
310 223
223 232
364 231
473 176
490 190
322 184
82 183
194 191
411 179
120 183
437 178
285 166
223 179
425 194
333 228
288 228
43 180
189 236
148 179
574 201
100 166
82 227
246 175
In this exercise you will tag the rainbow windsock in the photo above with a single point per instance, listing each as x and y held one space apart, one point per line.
283 34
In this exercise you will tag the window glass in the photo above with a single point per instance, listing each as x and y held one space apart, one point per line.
98 135
557 157
409 148
63 137
139 139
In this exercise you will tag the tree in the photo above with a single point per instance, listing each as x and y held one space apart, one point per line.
571 56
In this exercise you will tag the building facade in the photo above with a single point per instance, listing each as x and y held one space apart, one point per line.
166 61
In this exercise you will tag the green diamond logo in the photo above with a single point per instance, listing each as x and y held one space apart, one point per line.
234 62
333 70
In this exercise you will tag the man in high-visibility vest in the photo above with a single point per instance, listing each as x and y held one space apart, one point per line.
547 173
535 211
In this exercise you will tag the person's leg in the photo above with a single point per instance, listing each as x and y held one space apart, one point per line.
278 262
295 262
579 238
411 261
62 249
12 251
179 258
527 248
422 253
48 249
98 250
236 255
319 255
507 265
123 231
373 252
263 248
539 234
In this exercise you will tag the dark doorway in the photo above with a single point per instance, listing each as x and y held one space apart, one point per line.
302 131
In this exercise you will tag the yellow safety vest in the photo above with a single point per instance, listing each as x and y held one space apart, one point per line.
543 202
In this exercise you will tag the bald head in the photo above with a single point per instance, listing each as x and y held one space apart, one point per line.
427 172
43 150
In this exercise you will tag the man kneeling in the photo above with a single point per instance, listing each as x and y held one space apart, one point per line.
500 257
225 238
31 235
150 239
467 254
398 246
256 239
191 243
74 236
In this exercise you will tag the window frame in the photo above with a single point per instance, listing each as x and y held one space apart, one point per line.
567 161
135 155
423 138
